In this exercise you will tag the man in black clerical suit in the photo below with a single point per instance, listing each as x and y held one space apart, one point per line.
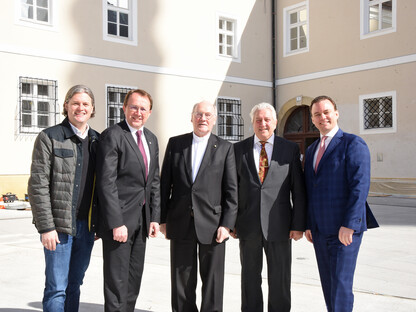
199 207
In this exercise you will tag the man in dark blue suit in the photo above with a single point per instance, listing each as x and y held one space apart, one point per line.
337 173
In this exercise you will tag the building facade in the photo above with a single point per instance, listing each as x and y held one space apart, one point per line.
234 53
361 54
179 51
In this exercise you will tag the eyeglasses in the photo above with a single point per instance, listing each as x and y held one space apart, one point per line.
208 116
137 108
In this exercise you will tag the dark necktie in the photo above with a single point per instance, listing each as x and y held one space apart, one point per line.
321 152
264 163
141 148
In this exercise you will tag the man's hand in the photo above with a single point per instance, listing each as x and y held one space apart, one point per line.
234 233
120 234
162 229
296 235
308 235
50 239
153 229
345 235
222 234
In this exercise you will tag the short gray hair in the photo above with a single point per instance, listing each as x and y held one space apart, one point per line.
261 106
213 105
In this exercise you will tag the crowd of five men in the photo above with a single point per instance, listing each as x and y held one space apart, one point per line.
207 190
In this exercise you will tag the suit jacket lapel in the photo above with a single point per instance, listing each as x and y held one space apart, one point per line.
309 160
187 155
331 147
134 146
274 159
152 151
250 159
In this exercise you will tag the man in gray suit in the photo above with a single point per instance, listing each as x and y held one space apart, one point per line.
271 210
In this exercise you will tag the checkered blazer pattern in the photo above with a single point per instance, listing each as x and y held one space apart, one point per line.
337 192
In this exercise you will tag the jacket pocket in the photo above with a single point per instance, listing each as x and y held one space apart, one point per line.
217 209
63 152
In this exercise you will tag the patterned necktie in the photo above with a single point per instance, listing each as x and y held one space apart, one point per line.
141 148
321 152
264 163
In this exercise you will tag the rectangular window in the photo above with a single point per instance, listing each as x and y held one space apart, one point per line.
37 13
226 37
230 122
120 21
378 17
378 113
296 37
35 10
37 104
115 100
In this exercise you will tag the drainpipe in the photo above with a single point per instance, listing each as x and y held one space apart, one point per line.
274 54
274 59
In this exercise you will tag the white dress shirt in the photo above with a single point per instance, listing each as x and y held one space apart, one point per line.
199 146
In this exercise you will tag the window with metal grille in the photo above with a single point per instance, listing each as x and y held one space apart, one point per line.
378 112
230 123
37 104
115 100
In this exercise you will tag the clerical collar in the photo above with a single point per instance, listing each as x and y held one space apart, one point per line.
201 139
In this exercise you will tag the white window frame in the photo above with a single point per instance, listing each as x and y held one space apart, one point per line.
120 101
365 16
238 127
51 25
35 98
132 23
236 48
392 129
287 28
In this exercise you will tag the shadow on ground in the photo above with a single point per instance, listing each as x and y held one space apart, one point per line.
83 307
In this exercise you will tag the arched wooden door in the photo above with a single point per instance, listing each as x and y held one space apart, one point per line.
300 129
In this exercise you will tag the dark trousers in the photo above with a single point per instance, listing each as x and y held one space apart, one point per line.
123 269
336 264
184 255
279 260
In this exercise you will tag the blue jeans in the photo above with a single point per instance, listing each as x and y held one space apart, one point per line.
65 269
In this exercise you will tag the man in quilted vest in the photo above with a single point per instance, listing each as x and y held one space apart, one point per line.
61 188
